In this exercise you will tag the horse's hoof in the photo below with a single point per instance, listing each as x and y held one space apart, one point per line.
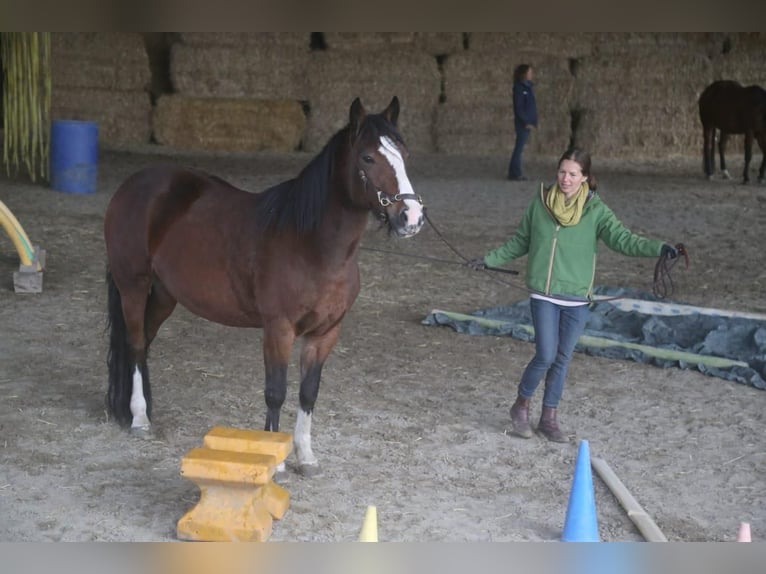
725 175
281 476
142 432
309 470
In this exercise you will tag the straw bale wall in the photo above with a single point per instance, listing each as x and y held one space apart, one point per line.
477 115
258 71
434 43
225 124
551 43
619 94
102 77
123 116
246 39
336 78
642 104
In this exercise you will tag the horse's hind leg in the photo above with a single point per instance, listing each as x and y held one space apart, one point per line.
721 153
762 144
708 151
316 349
748 156
129 393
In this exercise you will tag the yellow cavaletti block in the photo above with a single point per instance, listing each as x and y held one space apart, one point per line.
238 498
278 444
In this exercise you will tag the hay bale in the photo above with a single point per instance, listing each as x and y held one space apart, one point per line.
368 40
664 44
745 63
479 84
242 39
336 78
464 129
100 60
439 43
641 104
220 124
123 117
234 39
253 71
552 43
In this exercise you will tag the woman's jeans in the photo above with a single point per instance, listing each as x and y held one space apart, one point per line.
557 329
514 167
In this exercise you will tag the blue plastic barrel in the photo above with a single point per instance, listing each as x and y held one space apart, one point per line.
74 156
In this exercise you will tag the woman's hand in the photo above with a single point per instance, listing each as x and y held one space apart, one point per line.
477 264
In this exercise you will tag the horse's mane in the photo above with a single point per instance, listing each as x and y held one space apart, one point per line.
299 203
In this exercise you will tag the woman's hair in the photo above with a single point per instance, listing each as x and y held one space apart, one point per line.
581 158
520 71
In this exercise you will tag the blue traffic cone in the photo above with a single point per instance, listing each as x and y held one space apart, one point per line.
581 524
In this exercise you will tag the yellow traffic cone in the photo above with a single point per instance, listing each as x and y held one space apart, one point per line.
369 532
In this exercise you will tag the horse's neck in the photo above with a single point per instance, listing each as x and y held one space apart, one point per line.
342 228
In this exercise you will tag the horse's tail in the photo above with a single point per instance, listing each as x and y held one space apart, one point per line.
121 361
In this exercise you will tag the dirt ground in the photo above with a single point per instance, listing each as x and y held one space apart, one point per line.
411 419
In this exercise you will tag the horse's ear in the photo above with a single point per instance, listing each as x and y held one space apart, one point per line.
356 115
391 113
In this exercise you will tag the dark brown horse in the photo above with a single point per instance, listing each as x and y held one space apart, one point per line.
284 260
732 109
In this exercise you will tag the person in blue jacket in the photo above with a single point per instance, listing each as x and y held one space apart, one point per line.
524 116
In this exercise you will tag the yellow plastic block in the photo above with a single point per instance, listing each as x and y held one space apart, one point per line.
228 466
275 498
225 514
238 498
278 444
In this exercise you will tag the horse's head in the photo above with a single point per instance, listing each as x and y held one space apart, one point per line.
378 155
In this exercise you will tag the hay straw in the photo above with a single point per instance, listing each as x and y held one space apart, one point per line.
102 60
241 39
253 71
551 43
220 124
123 117
336 78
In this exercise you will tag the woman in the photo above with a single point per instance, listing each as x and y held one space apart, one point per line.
559 232
524 117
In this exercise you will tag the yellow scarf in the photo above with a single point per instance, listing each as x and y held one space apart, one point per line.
567 211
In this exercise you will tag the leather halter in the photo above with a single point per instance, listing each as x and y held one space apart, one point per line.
385 199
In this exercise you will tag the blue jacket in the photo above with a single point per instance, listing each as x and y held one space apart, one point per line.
524 106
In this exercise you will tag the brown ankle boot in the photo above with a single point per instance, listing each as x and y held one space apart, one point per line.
520 418
549 427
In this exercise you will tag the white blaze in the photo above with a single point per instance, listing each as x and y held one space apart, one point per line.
391 152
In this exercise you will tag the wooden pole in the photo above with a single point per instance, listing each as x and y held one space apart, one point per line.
640 518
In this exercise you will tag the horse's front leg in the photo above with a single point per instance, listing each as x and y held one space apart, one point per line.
278 339
722 152
316 349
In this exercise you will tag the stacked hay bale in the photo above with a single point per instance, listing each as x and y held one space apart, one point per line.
476 117
338 76
552 43
103 77
434 43
636 97
235 92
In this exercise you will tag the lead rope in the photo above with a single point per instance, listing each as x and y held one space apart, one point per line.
663 285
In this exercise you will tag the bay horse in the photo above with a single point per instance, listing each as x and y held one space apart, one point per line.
284 260
732 109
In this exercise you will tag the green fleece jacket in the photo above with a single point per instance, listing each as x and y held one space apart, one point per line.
562 260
